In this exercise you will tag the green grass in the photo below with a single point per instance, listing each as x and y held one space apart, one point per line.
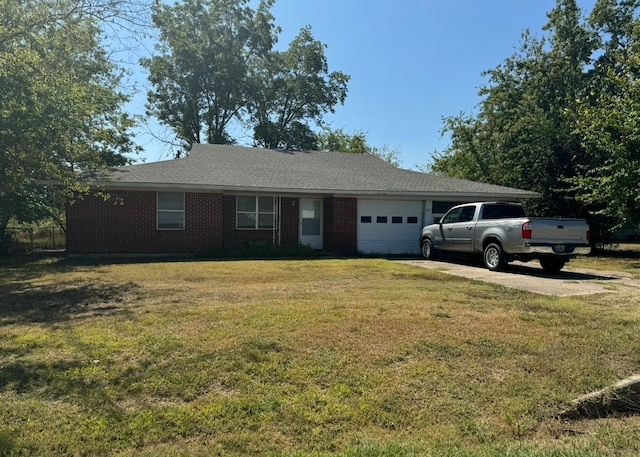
623 257
301 358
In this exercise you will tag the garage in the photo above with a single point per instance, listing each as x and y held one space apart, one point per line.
389 226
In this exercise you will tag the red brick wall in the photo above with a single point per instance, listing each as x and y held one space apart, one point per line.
238 239
126 223
340 225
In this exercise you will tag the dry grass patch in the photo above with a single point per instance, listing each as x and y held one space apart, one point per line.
322 357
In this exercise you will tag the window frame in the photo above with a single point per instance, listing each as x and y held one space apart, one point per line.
256 213
172 211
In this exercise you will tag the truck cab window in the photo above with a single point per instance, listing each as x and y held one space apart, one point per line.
452 216
500 211
467 213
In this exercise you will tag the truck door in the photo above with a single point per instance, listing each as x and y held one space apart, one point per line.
445 238
460 232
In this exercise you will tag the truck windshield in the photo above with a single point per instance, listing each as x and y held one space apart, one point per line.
499 211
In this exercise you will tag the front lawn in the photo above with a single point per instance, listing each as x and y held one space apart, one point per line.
295 358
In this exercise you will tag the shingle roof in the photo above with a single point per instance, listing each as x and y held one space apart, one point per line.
232 168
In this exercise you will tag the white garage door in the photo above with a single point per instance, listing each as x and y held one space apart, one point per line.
389 226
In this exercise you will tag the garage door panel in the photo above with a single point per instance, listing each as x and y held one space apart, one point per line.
388 226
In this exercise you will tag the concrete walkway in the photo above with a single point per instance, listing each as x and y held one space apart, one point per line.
531 278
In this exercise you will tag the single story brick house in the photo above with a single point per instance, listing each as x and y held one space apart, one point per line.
227 197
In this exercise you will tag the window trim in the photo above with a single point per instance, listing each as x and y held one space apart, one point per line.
257 213
158 211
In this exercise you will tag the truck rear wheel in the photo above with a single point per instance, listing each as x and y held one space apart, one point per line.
551 264
493 257
428 252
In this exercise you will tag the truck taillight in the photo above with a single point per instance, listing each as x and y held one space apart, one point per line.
588 235
527 229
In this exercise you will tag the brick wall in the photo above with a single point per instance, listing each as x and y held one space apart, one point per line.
340 225
126 224
239 239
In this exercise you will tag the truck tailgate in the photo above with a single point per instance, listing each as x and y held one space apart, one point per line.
558 231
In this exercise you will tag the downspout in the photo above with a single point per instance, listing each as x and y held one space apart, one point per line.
273 222
280 220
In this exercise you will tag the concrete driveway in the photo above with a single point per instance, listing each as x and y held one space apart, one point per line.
531 278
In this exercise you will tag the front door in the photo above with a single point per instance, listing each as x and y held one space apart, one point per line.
311 223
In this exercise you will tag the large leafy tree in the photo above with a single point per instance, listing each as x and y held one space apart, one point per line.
60 107
524 132
609 120
291 88
200 74
561 117
216 69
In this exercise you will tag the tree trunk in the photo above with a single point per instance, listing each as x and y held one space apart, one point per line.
5 237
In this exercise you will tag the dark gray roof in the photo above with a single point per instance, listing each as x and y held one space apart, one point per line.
232 168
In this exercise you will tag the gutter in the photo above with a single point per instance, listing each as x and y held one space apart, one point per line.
346 192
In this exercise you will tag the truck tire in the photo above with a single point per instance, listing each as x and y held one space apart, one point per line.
493 257
552 264
428 251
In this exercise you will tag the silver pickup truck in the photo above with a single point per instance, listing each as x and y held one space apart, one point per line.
502 232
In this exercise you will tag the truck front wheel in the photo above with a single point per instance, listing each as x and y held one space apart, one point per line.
428 252
551 264
493 257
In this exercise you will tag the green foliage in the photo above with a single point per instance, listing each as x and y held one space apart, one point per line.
200 74
291 87
340 141
216 65
559 117
59 108
609 122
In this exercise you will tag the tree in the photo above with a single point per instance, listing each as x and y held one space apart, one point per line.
200 76
291 88
216 66
60 108
562 117
356 143
524 134
609 121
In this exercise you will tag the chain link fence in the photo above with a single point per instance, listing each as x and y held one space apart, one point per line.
39 238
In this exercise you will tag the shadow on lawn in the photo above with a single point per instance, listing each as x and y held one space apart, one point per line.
23 302
59 302
63 301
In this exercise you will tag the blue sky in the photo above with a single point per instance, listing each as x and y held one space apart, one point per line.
411 62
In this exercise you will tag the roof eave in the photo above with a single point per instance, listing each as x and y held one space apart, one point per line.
280 190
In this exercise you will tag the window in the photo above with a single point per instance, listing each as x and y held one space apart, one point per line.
502 211
467 213
412 220
396 219
452 216
381 219
365 219
255 213
170 214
